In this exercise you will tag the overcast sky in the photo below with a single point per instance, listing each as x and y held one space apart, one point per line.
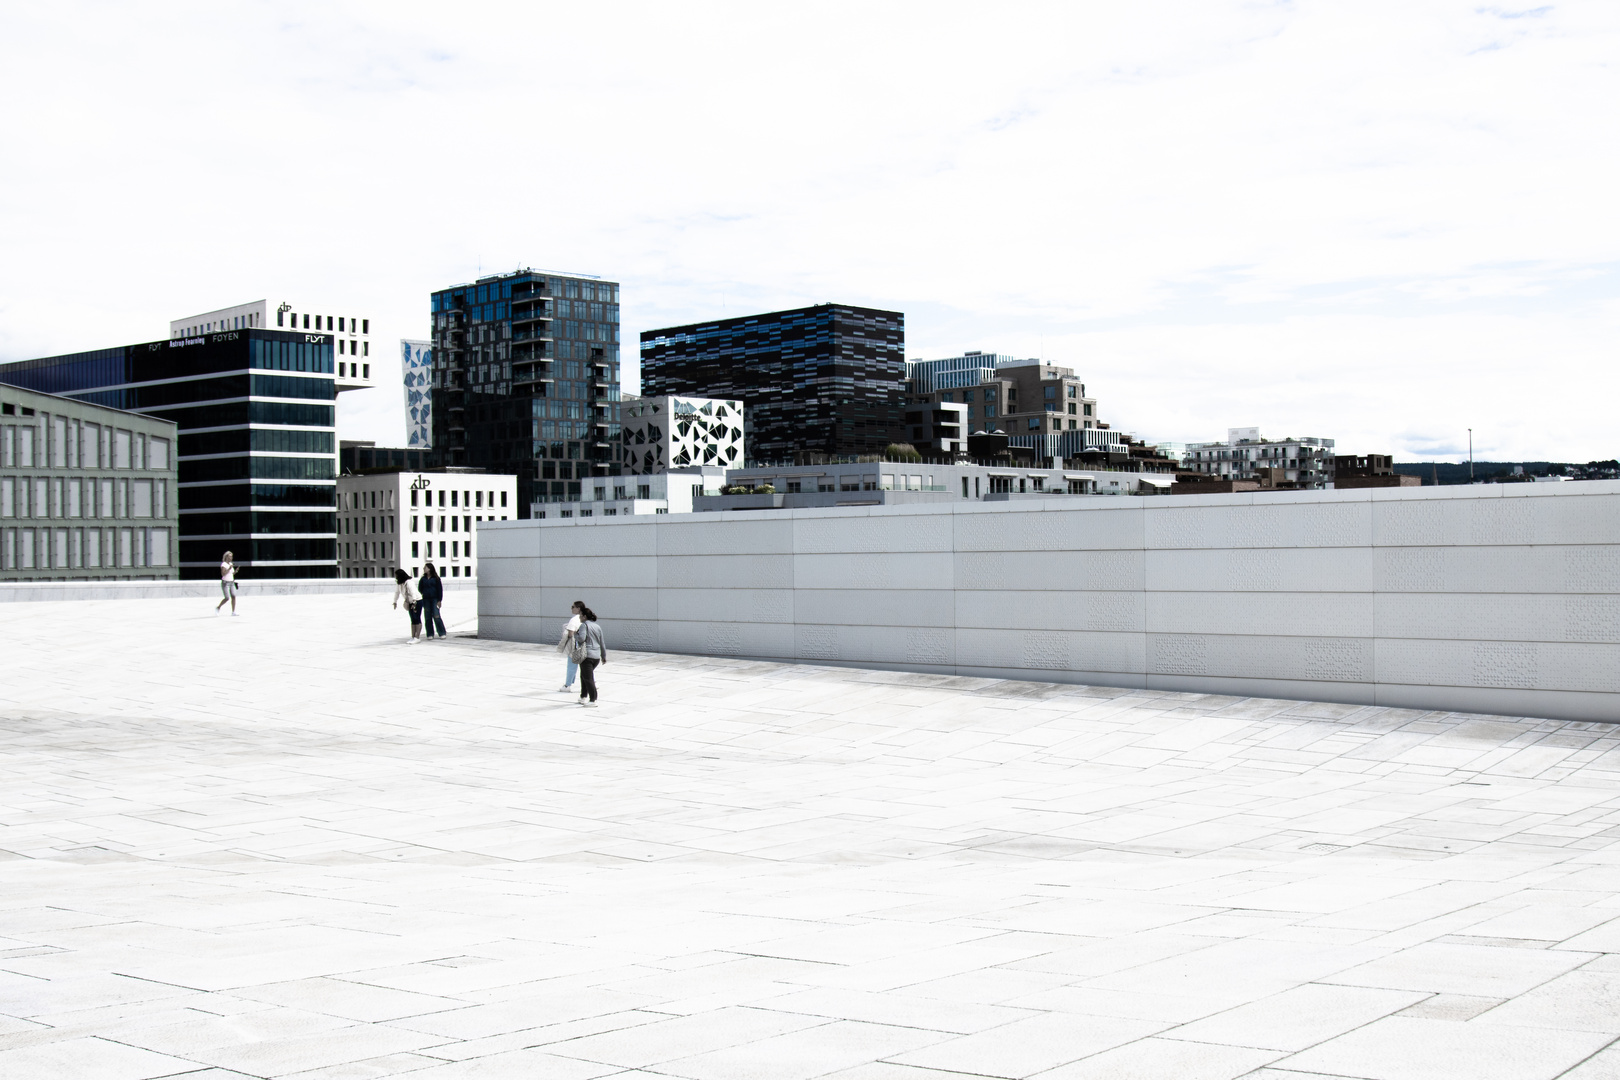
1378 222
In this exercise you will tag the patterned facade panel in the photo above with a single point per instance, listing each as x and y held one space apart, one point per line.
416 367
671 432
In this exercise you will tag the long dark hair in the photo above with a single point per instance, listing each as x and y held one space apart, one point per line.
401 577
428 569
584 612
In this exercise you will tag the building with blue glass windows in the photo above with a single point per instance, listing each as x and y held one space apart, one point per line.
525 380
815 382
255 415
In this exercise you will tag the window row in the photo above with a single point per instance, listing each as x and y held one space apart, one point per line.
83 549
366 549
465 498
61 442
263 468
456 550
272 440
289 320
71 497
260 550
457 524
244 495
237 522
369 500
250 321
350 526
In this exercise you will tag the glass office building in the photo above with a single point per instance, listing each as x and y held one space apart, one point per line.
824 380
525 380
255 412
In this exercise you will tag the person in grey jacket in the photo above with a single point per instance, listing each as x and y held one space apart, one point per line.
589 635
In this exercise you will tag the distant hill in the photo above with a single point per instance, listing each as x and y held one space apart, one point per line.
1456 472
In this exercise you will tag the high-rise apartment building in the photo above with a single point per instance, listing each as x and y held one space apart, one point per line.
256 432
525 380
823 380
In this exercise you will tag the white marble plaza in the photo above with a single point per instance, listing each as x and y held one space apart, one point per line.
289 845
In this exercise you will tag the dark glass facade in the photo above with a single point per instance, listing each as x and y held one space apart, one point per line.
823 380
360 458
256 413
526 380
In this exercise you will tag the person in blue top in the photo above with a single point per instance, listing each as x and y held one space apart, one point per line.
432 592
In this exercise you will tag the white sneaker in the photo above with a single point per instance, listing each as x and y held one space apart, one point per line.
565 689
589 704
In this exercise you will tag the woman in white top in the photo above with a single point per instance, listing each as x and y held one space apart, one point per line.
227 582
562 646
402 587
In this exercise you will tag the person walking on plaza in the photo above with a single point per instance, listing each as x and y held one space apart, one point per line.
227 582
413 608
432 589
564 644
589 641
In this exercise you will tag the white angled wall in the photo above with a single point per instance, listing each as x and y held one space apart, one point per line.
1499 598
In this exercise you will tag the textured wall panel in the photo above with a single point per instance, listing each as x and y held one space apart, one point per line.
510 573
873 607
1293 614
1090 570
601 572
727 534
725 571
875 570
847 531
580 538
1051 610
506 539
1291 570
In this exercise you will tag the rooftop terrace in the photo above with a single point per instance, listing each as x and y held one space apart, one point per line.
287 844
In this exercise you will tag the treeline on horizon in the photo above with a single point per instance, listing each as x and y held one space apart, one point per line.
1456 472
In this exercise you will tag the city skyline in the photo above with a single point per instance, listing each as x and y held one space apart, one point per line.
1378 224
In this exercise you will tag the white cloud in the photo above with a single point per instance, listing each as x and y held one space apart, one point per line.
1381 222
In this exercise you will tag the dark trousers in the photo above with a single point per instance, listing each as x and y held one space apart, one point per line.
587 677
430 616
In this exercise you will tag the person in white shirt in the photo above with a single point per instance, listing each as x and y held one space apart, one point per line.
562 646
402 588
227 582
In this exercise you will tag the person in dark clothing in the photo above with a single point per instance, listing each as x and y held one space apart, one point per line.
432 591
589 635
